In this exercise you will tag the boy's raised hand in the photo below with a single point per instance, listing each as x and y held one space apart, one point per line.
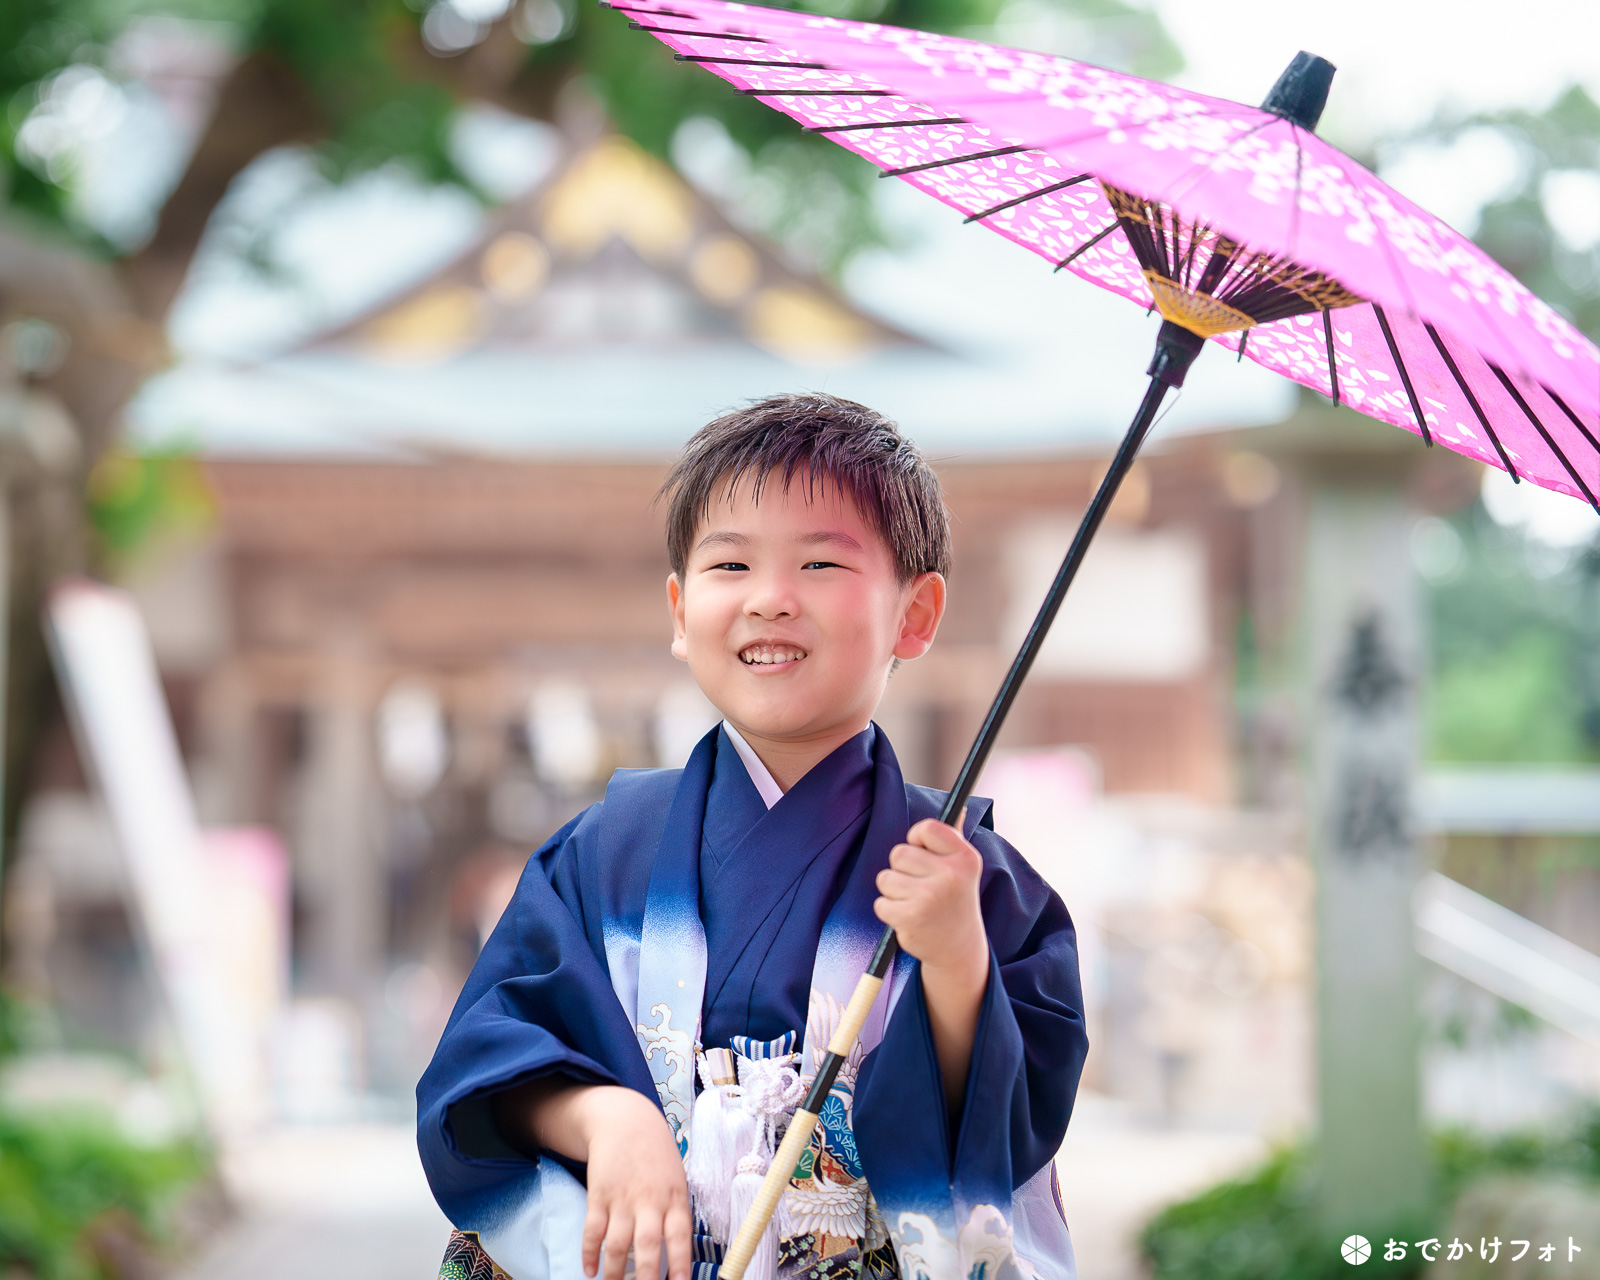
930 898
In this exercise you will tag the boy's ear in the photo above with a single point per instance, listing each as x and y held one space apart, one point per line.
675 605
925 600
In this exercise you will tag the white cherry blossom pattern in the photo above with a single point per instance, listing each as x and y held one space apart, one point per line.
1446 344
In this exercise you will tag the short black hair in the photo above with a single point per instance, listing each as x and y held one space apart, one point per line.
820 439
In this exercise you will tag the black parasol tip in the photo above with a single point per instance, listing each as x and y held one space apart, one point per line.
1302 90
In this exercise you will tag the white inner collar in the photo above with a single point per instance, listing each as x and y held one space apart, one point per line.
766 784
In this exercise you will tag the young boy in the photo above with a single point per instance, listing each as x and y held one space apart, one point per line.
712 920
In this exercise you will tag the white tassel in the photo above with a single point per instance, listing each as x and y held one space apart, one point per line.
731 1143
720 1132
746 1183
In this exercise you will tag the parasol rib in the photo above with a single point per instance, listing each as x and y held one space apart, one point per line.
1087 245
749 62
1405 375
939 164
1198 171
1024 198
1299 190
1573 418
816 93
880 124
700 35
1483 418
1544 435
1333 365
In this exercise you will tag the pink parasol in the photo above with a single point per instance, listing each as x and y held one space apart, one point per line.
1238 223
1327 275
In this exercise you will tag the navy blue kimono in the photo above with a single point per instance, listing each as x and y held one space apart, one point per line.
681 914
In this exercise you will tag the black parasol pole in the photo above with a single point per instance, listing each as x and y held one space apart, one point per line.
1176 348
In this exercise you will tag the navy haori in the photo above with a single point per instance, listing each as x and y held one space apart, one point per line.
680 924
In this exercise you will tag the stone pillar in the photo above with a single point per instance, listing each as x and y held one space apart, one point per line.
1363 635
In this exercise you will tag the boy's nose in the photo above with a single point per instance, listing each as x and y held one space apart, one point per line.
771 597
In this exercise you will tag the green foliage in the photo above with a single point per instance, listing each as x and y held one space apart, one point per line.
1510 651
37 39
134 498
68 1180
1265 1225
1252 1228
377 111
1573 1150
1512 705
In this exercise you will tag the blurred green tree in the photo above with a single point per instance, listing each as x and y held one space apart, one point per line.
1544 225
1512 629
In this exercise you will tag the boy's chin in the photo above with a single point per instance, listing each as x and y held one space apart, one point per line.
772 718
766 723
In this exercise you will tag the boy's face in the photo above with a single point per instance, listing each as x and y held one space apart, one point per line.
790 613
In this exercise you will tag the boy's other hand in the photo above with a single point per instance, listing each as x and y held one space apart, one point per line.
930 897
638 1197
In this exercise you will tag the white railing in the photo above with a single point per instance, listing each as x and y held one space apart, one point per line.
1509 955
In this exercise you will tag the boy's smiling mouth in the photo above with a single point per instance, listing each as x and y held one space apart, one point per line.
764 653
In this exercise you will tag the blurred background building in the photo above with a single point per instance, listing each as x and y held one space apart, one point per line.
364 402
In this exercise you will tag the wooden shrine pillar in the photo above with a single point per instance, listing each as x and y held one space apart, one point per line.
338 862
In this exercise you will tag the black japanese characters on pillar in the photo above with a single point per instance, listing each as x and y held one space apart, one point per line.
1370 682
1370 814
1370 817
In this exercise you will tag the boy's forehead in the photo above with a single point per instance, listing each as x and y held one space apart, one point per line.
803 511
770 501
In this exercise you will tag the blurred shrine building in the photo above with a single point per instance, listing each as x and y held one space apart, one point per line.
432 620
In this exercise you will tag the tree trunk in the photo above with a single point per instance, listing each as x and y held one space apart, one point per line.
112 318
262 104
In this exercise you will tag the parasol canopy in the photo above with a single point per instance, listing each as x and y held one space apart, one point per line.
1238 223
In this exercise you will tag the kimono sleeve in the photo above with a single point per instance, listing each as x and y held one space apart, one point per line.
538 1002
1027 1056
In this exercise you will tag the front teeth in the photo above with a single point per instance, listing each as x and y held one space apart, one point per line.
769 654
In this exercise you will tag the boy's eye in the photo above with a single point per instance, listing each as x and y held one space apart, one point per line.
732 565
820 564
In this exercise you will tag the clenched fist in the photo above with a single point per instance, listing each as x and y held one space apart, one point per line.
930 898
